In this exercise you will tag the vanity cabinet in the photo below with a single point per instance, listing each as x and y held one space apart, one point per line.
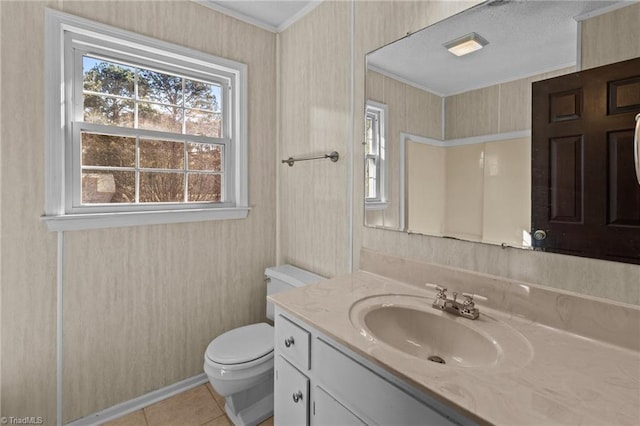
319 382
291 399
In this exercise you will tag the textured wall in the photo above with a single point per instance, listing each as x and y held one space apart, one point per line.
141 303
28 250
612 37
315 117
378 23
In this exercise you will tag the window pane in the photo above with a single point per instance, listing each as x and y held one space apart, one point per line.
370 178
161 154
369 134
156 187
371 168
204 187
159 87
105 150
203 156
108 110
371 188
202 95
160 117
203 123
107 77
373 135
100 186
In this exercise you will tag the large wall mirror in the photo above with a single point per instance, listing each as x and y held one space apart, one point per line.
448 113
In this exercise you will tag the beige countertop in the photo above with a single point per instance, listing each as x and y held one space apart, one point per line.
559 378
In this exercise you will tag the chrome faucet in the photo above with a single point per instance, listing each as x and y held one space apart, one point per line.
466 308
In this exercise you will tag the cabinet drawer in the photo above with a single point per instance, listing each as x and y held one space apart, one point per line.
329 412
291 395
293 342
367 394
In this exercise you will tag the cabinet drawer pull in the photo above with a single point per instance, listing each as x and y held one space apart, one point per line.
297 396
288 342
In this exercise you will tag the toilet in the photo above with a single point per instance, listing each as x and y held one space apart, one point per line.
239 363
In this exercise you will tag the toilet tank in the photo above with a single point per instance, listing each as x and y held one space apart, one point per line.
286 277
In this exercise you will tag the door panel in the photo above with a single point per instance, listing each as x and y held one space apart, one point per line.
624 95
623 200
566 179
585 195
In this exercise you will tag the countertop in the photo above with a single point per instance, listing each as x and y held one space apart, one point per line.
564 378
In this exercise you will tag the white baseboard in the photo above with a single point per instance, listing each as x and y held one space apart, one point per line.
140 402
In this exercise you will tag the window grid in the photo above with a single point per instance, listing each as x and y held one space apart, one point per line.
373 154
139 133
186 170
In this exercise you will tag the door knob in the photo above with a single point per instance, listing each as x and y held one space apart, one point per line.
289 341
297 396
539 235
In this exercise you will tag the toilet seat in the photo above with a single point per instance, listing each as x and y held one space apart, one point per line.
242 347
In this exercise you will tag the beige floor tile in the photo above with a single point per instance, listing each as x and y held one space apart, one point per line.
193 407
268 422
134 419
219 399
220 421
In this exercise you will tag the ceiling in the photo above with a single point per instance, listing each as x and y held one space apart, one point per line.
519 46
525 38
274 16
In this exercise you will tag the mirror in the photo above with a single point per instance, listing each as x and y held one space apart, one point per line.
448 138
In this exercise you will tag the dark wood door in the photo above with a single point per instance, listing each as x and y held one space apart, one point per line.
585 195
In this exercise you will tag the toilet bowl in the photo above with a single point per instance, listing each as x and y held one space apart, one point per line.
239 363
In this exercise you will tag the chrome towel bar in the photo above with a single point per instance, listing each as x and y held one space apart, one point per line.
333 156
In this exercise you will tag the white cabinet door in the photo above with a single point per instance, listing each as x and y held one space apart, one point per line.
291 395
329 412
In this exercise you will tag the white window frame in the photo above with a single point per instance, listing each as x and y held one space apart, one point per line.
381 201
68 36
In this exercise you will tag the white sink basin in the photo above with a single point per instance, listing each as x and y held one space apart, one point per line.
410 325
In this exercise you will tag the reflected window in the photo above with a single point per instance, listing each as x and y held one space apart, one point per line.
374 167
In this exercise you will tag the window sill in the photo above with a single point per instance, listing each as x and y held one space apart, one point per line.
376 205
76 222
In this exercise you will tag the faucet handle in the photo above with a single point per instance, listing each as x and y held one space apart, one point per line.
441 290
468 301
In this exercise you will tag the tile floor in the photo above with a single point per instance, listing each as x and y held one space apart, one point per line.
198 406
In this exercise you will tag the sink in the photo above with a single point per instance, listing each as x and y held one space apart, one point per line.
425 334
408 324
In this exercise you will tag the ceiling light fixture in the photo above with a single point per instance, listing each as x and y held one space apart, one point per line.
466 44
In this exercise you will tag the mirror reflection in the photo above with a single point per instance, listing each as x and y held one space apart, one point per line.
448 113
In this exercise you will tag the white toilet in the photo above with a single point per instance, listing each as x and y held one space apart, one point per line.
239 363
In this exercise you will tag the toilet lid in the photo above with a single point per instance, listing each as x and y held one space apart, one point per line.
242 344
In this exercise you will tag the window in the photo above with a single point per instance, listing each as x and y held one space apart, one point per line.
375 167
151 132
